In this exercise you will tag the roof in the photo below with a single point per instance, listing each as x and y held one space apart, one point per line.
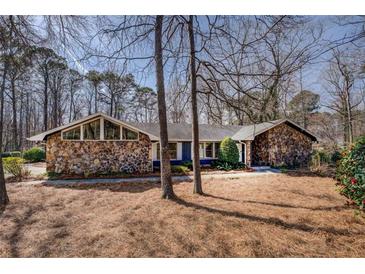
183 132
249 132
42 136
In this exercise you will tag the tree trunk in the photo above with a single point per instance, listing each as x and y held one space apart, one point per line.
45 103
96 98
14 124
194 108
4 199
349 117
166 182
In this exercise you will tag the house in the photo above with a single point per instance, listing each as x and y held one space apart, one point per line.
99 143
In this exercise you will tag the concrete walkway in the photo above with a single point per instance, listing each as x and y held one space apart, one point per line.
155 179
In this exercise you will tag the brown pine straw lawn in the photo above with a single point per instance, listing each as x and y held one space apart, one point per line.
268 216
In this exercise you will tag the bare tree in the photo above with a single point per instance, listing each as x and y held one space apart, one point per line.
166 182
194 109
340 78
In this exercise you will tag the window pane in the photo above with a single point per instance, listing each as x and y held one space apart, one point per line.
216 149
72 134
172 151
201 150
129 134
92 130
209 150
111 131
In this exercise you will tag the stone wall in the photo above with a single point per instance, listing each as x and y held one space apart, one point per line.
281 145
92 157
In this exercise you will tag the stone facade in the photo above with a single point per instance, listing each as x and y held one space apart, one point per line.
281 145
91 157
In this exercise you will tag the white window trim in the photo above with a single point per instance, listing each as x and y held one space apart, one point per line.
205 149
178 151
81 125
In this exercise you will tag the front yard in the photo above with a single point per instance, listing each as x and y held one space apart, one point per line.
264 216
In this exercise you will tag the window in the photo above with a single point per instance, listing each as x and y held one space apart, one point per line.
216 149
72 134
100 129
209 150
172 151
201 150
129 134
92 130
111 131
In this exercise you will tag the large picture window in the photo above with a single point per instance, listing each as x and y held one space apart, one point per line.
129 134
72 134
172 151
99 130
208 150
111 131
92 130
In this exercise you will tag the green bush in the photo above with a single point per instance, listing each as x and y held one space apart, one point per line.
15 166
319 157
350 172
336 156
228 151
227 166
179 169
188 164
34 154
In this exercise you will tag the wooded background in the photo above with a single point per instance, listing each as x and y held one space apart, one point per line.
250 69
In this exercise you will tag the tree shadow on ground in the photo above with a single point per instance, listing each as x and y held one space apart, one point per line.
131 187
267 220
320 208
330 173
20 224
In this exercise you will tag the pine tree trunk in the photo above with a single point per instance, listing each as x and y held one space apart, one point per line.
45 104
166 182
4 199
14 124
194 107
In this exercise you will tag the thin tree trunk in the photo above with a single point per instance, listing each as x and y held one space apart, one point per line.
70 117
14 124
4 199
349 117
45 104
166 182
21 122
96 98
194 108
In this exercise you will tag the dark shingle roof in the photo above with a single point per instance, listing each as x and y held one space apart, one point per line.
183 132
